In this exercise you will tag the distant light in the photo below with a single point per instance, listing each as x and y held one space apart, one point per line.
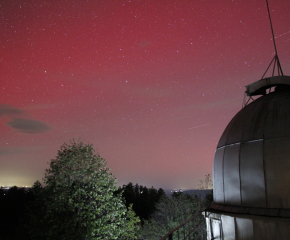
177 190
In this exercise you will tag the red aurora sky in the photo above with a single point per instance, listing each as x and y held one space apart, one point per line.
151 84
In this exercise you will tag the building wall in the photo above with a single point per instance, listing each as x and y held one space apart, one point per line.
228 226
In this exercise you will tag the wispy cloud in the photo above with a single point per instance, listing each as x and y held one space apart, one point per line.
28 126
200 126
7 110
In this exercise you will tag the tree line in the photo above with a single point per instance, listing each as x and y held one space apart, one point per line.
79 200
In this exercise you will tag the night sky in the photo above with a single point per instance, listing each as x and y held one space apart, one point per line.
151 84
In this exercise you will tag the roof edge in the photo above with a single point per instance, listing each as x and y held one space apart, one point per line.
260 87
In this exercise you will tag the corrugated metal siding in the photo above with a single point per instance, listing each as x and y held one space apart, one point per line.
247 227
228 227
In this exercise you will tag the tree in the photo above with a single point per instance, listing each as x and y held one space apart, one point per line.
207 184
175 210
171 212
13 203
142 198
78 200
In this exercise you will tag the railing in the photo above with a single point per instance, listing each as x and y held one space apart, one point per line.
193 228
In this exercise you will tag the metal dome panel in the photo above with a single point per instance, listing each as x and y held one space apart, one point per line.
277 168
252 161
231 175
252 174
218 191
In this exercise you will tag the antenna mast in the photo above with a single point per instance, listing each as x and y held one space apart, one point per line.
275 59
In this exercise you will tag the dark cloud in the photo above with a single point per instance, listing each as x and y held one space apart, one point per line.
9 111
28 126
20 124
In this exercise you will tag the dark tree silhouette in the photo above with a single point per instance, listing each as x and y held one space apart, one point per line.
13 205
142 198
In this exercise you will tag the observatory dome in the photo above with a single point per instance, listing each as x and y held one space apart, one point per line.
252 160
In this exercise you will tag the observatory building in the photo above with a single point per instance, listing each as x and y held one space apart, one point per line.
251 170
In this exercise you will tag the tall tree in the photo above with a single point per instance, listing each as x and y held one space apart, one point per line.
78 198
207 184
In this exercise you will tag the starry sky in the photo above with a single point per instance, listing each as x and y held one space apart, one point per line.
151 84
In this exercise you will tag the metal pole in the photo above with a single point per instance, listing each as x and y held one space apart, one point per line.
276 52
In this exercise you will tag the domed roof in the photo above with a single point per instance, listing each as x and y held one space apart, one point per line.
252 159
